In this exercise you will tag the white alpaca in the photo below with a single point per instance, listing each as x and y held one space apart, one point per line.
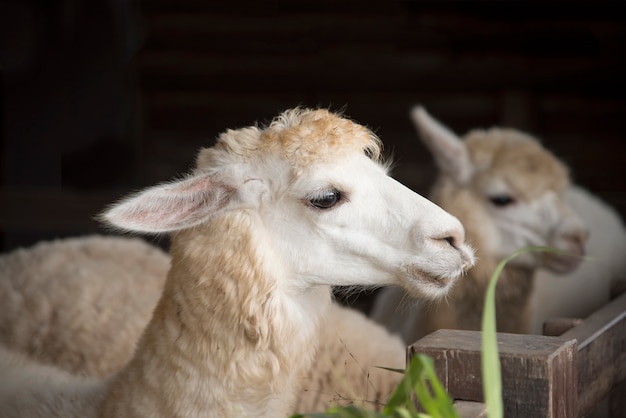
509 192
275 217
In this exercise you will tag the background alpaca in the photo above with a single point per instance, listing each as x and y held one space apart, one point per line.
245 292
509 192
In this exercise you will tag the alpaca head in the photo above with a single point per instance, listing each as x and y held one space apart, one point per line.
311 183
508 191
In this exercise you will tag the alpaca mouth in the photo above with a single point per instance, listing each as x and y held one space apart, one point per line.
423 277
562 264
437 280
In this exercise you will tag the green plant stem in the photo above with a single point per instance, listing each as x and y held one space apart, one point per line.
490 359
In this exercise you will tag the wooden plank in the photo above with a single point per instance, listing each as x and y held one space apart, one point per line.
601 353
617 400
468 409
557 326
539 373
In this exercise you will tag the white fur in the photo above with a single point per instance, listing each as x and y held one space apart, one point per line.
252 261
583 291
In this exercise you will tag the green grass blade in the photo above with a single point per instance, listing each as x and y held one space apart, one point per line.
420 379
490 360
401 396
445 408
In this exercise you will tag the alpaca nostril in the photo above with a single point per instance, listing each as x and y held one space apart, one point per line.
455 239
452 239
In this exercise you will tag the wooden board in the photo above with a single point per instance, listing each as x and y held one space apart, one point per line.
601 353
539 373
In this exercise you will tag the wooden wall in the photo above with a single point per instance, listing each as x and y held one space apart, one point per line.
101 97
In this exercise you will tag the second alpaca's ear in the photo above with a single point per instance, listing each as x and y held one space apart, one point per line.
171 206
450 152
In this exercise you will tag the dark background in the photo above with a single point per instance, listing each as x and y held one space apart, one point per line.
100 97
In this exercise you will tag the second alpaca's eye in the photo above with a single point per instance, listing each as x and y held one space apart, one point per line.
501 201
326 199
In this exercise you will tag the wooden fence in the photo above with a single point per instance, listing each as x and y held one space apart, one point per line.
565 375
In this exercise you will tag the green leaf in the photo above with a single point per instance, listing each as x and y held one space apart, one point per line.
490 359
420 379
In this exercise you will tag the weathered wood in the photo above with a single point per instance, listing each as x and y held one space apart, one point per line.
557 326
617 400
601 352
469 409
617 288
539 373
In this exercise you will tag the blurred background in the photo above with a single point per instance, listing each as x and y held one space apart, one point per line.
101 97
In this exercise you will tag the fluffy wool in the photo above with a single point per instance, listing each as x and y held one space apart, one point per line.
350 366
100 267
66 302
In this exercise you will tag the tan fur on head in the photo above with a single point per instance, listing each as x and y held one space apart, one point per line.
518 159
302 136
307 137
503 160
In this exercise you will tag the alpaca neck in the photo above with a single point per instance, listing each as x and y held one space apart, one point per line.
512 298
464 306
513 294
226 338
463 309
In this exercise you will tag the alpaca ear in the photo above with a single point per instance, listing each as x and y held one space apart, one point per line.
171 206
450 152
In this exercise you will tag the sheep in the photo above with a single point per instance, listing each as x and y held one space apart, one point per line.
259 234
509 192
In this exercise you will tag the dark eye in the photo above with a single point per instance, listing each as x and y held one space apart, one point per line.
326 199
501 201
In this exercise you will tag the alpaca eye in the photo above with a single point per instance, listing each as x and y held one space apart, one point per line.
501 201
326 199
